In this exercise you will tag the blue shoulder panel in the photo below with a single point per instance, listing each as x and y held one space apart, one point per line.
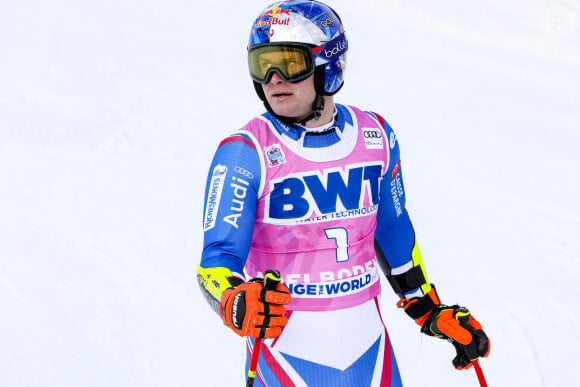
394 232
231 195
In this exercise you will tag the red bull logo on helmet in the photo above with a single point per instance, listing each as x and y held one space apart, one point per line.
276 16
273 21
277 11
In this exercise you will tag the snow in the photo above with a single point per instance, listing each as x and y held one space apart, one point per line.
110 112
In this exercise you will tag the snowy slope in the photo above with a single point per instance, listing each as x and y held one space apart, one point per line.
111 110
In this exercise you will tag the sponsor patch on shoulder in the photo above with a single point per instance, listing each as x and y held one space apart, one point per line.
373 138
275 155
392 140
216 185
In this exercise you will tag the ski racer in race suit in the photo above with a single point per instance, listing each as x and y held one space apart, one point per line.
314 189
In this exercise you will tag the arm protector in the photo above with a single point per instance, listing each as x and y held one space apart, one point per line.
214 281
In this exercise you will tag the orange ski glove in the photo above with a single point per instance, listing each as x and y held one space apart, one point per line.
254 309
455 323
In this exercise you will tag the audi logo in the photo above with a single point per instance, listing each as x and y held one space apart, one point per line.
372 134
244 172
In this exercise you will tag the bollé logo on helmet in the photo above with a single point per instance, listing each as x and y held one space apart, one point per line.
336 50
328 21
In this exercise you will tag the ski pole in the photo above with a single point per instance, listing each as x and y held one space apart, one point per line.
271 279
479 373
254 363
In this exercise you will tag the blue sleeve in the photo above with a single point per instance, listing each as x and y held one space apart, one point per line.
394 233
231 195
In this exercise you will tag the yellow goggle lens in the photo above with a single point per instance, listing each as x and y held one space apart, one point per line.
292 63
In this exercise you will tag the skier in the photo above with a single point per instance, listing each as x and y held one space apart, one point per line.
314 189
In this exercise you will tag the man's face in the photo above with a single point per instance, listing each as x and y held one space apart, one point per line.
290 99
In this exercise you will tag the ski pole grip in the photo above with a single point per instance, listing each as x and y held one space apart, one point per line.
271 279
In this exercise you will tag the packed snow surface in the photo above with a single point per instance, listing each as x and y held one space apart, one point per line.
110 112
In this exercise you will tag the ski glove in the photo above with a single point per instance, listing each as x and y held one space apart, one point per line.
453 323
456 324
256 309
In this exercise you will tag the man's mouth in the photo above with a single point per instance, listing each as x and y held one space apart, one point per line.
281 95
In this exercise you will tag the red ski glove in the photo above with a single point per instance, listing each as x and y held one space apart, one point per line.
254 309
453 323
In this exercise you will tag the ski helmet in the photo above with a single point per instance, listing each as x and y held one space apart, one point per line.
308 27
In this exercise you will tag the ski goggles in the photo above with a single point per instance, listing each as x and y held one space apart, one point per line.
293 62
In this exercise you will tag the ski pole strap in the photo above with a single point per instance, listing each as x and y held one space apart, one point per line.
407 281
418 308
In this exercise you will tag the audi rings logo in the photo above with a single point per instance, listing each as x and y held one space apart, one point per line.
244 172
372 134
373 138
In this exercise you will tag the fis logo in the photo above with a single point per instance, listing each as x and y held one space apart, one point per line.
296 196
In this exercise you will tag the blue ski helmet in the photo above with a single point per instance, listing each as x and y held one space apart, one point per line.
310 24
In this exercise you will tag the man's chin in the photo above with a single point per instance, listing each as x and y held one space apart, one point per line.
284 111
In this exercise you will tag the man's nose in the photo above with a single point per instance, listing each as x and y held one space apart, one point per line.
276 78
